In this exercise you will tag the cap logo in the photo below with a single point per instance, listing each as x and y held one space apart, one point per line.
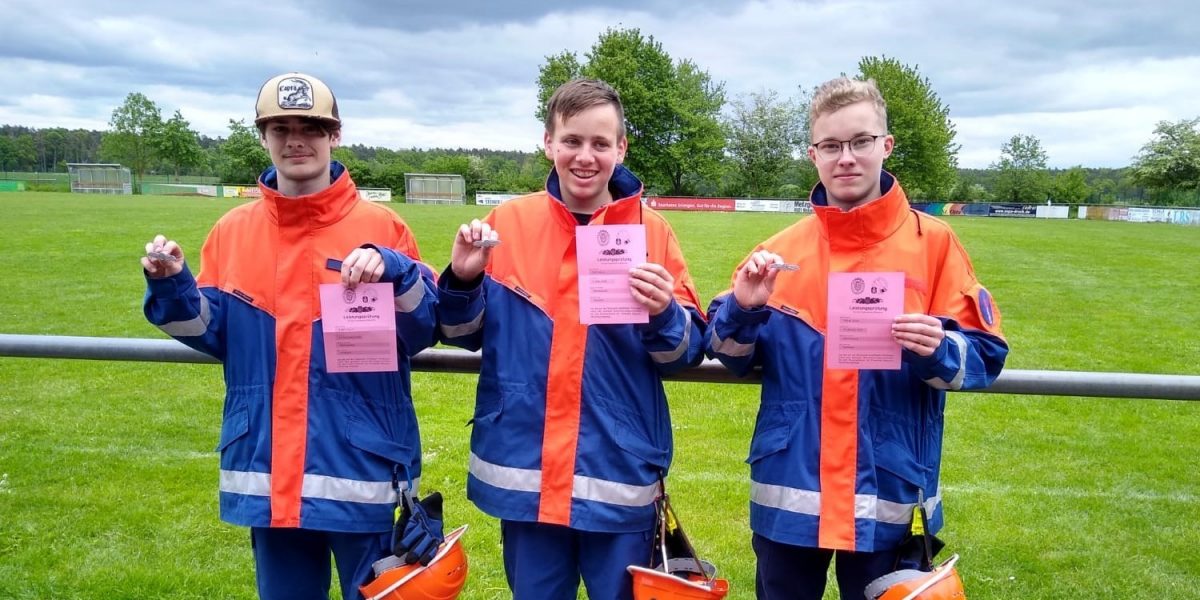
295 93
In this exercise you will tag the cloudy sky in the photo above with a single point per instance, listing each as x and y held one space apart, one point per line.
1090 79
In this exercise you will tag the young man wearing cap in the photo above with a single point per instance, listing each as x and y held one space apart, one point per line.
571 434
841 457
312 461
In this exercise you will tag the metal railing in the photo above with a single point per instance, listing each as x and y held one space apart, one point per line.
1011 381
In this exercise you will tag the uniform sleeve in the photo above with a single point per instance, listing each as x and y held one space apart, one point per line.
415 292
675 337
733 333
185 311
461 307
973 352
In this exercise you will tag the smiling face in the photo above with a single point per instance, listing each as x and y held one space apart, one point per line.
300 149
585 149
849 179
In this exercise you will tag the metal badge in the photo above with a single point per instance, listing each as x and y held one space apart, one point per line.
163 256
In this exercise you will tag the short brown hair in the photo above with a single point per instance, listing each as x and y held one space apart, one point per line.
836 94
578 95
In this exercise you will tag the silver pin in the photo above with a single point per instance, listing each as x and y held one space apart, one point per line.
163 256
485 243
783 267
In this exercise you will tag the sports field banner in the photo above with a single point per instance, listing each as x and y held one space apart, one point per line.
1053 212
1139 214
690 203
756 205
375 194
493 198
1012 210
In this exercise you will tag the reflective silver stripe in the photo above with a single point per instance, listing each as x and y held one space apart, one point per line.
315 486
670 356
246 482
899 513
611 492
583 488
192 327
463 329
784 498
730 347
937 382
348 490
410 300
509 478
808 502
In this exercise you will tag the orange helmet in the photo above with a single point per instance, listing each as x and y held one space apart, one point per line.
652 584
441 579
940 584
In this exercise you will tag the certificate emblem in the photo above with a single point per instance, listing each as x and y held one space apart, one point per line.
857 285
602 237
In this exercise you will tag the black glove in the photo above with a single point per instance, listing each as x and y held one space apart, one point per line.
418 532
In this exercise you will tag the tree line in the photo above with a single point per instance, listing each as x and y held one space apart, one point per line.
686 137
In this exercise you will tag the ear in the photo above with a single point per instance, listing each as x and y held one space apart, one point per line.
622 146
335 139
262 139
889 143
546 141
812 154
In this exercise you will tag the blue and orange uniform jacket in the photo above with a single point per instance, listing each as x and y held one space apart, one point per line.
301 447
840 457
571 425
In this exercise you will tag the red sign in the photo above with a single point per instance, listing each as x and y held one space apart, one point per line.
689 203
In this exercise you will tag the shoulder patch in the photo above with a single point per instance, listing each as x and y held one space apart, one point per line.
987 310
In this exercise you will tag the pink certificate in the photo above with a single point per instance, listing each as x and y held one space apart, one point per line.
605 254
862 307
359 326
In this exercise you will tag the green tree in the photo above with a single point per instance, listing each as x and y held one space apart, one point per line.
136 125
56 143
671 110
178 145
242 156
764 132
966 191
17 153
1071 186
1021 174
925 156
1171 159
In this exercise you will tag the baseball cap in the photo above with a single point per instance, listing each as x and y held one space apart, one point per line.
296 95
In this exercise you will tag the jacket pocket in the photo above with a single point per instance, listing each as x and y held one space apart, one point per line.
773 432
369 438
234 426
629 432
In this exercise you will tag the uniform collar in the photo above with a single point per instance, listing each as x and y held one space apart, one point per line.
865 224
321 209
626 206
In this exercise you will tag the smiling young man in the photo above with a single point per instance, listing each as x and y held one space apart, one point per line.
312 461
571 431
841 457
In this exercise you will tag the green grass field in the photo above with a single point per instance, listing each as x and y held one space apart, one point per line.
108 479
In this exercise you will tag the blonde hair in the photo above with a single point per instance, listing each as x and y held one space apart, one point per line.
578 95
836 94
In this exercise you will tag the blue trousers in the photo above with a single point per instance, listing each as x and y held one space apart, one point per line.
545 562
293 564
786 572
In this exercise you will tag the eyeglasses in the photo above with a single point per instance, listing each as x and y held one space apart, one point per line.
861 146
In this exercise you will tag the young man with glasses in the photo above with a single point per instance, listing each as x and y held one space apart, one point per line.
841 457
